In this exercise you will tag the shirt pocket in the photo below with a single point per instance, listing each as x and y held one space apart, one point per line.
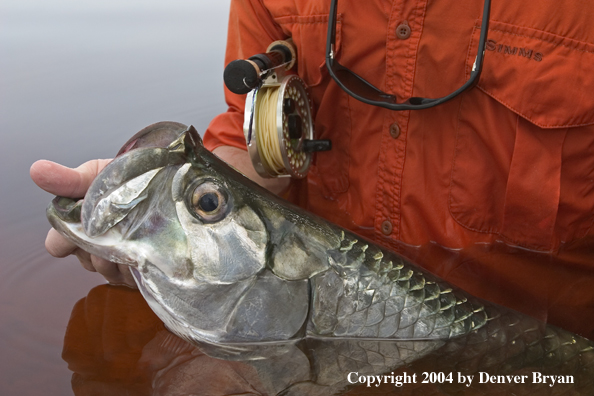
523 165
330 169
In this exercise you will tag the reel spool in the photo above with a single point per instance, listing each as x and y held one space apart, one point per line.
278 125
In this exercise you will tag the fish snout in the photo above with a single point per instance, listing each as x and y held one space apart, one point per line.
67 209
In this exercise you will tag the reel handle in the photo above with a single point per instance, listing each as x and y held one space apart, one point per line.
243 75
310 145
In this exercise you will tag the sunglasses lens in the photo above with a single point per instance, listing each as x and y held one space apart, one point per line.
358 86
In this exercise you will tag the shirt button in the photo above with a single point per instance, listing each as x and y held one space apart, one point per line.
395 130
387 227
403 31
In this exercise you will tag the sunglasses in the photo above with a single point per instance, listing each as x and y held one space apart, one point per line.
362 90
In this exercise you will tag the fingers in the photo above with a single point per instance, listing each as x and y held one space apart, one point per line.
85 259
127 276
57 245
63 181
116 274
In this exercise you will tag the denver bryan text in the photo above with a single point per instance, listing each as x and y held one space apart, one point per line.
537 378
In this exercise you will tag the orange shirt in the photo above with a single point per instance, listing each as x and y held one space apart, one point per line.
511 160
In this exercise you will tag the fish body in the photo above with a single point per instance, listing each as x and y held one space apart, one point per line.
223 261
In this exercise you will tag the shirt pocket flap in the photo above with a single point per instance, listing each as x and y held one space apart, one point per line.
544 78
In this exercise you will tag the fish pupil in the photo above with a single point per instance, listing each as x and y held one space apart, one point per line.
209 202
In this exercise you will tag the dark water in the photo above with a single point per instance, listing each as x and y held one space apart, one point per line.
77 79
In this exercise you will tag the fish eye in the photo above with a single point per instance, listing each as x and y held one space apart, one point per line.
209 202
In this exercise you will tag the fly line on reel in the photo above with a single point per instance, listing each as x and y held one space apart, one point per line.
282 126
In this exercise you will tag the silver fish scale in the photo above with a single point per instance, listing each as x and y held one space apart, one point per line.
369 293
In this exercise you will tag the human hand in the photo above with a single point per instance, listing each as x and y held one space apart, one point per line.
73 183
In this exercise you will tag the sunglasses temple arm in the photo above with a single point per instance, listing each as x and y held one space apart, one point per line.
480 56
331 36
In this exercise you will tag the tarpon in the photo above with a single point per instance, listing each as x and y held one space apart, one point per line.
223 261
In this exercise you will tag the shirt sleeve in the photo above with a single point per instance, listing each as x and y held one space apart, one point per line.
251 30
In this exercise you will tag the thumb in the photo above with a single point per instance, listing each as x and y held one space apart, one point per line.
63 181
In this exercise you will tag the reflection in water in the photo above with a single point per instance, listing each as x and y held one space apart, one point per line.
115 345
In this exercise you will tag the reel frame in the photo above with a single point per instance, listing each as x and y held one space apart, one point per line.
292 138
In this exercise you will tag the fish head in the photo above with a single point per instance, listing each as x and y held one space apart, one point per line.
168 202
214 254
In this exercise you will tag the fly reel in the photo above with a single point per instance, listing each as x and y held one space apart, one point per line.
278 124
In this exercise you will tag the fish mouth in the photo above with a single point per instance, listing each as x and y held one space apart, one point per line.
67 209
64 214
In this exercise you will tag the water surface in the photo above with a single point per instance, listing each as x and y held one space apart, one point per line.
77 79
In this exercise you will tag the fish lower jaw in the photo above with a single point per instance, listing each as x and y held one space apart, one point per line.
104 246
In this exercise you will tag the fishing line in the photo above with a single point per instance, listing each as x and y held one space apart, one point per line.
267 135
